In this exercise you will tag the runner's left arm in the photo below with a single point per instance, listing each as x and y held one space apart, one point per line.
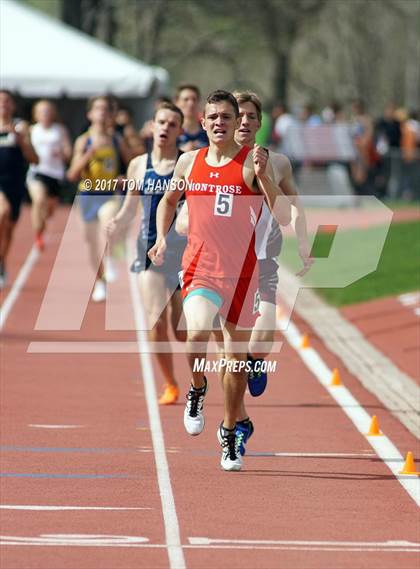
125 151
66 149
298 217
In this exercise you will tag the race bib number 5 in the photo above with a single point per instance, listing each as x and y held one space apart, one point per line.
223 205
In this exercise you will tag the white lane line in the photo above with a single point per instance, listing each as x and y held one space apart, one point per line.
315 454
409 298
63 508
331 548
74 347
172 533
382 445
56 426
83 540
346 544
18 285
76 540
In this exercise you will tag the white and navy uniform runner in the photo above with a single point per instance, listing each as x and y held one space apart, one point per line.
152 191
268 242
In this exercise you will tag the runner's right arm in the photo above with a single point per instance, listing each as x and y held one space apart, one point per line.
135 172
167 207
288 187
24 140
80 160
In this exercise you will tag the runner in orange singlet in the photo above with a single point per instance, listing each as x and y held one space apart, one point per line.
219 261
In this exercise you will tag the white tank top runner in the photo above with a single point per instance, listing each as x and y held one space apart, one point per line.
268 237
47 143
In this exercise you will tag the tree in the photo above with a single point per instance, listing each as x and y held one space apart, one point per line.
299 49
71 13
280 23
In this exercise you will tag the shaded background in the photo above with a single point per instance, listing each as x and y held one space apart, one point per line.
297 50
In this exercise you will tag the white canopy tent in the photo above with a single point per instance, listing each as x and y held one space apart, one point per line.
42 57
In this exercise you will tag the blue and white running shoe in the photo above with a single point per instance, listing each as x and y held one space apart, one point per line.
244 430
257 379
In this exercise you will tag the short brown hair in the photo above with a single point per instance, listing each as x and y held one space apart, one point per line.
189 87
8 93
249 97
222 95
93 100
170 107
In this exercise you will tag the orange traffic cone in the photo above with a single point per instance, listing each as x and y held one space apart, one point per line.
374 428
409 465
305 341
335 379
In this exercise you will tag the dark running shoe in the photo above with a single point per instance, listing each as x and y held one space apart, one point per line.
244 431
257 379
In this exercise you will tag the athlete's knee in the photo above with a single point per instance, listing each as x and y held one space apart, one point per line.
235 366
180 335
197 336
159 332
261 343
5 212
178 325
4 215
260 352
38 200
5 207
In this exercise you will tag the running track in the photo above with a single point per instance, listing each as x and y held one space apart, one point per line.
327 501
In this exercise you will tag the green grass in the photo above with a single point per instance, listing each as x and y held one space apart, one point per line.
355 253
401 204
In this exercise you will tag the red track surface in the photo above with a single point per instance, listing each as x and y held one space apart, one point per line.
354 218
393 328
345 499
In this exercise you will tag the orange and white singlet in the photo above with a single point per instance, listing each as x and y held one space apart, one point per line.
223 212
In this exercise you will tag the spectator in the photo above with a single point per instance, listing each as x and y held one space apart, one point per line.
277 109
308 116
410 154
387 136
361 129
333 113
282 124
125 127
